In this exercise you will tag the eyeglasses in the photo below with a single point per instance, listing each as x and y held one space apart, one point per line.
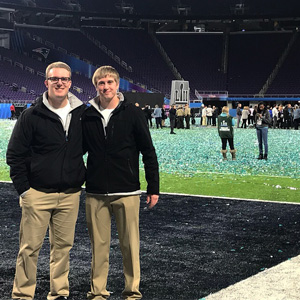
64 80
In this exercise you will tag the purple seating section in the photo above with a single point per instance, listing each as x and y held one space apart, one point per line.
69 41
252 57
24 58
134 47
198 58
12 75
288 79
13 79
138 50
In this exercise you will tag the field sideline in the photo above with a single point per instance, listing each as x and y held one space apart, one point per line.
205 244
190 163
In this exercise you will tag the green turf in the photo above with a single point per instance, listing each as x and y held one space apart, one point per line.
237 186
190 162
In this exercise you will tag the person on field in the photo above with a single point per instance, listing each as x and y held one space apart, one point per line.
225 130
157 114
172 117
245 116
12 111
262 122
238 114
115 133
47 169
187 116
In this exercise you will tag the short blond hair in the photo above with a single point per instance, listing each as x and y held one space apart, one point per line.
103 72
225 109
58 64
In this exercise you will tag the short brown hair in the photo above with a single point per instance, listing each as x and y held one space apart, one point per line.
105 71
58 64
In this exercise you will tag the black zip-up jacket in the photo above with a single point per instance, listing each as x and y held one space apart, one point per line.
44 155
113 152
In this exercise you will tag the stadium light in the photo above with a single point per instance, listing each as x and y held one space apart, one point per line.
125 7
181 9
239 8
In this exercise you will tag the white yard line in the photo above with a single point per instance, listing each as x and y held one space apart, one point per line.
212 197
230 198
249 174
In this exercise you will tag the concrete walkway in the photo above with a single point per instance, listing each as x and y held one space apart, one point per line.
281 282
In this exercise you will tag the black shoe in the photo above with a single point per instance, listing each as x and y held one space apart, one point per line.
172 133
266 156
260 156
62 298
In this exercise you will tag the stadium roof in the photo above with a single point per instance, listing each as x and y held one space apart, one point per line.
132 13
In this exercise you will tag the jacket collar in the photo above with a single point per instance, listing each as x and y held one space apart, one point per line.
73 100
95 102
42 105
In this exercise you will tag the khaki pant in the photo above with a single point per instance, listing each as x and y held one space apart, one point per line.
59 212
99 210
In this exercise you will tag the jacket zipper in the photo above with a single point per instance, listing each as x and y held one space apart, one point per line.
66 137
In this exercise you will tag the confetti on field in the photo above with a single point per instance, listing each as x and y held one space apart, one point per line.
196 151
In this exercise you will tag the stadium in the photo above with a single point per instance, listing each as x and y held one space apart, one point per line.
222 229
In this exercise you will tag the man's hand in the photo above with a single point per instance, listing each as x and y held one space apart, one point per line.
152 200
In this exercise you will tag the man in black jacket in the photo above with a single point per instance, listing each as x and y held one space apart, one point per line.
238 114
172 116
47 169
115 133
148 114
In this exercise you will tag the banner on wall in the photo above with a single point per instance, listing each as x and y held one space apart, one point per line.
180 92
43 51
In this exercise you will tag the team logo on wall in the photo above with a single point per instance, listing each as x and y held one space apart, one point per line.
44 51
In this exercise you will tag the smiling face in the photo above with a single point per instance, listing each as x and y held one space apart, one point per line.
58 90
107 88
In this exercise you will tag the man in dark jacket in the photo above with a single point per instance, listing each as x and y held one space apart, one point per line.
148 114
47 169
172 116
115 133
238 114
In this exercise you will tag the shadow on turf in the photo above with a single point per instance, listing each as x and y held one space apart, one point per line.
190 247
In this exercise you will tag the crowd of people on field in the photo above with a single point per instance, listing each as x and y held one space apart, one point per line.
282 116
182 116
261 117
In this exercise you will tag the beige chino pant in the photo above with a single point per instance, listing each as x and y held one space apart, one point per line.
40 210
99 211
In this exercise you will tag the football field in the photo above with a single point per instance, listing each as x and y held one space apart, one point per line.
221 230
